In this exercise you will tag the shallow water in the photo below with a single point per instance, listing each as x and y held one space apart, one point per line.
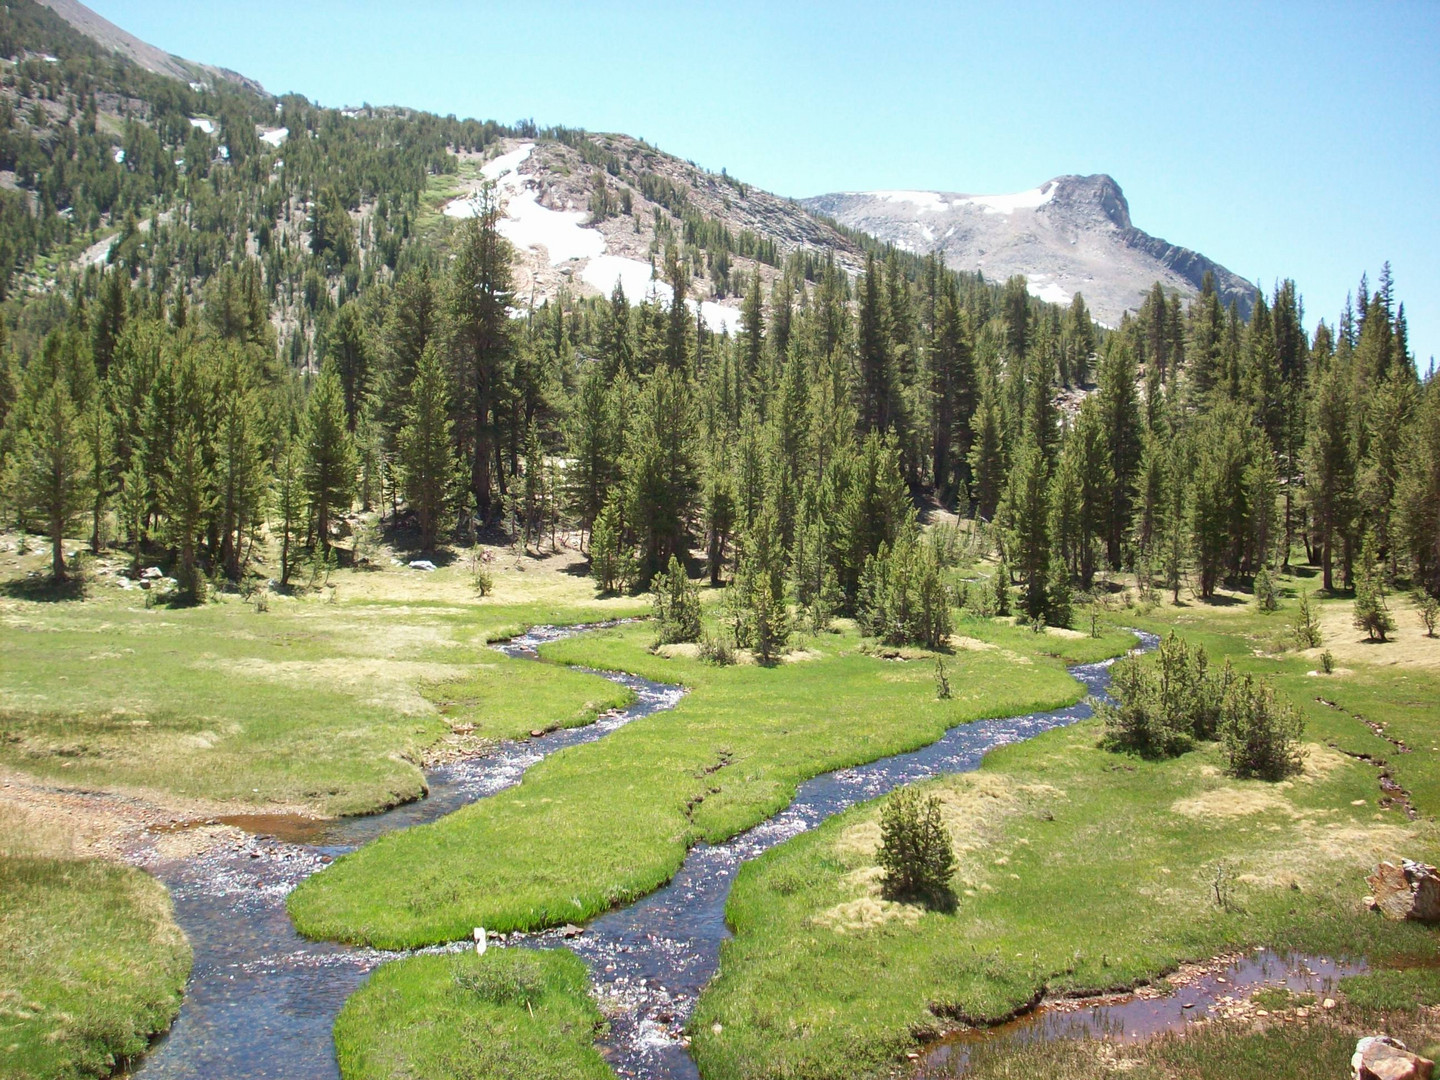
650 960
1132 1018
262 1000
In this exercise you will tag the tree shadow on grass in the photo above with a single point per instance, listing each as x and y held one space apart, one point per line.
44 590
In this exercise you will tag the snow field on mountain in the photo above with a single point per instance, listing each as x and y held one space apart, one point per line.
565 237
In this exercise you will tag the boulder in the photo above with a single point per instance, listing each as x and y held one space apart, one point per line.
152 573
1408 891
422 564
1379 1057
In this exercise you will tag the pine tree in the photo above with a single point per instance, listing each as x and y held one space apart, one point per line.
1329 475
186 498
987 463
757 595
1371 612
289 506
1418 490
662 475
676 605
1121 417
610 563
47 472
1025 517
329 456
99 442
426 454
479 331
239 456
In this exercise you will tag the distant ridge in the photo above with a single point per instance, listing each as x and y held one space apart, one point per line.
146 55
1071 234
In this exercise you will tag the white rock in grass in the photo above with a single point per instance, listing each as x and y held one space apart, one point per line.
480 943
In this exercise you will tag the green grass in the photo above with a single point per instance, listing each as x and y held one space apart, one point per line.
91 965
1206 1052
311 704
601 824
508 699
504 1015
1081 870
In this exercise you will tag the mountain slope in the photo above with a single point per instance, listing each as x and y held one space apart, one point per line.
1070 234
150 58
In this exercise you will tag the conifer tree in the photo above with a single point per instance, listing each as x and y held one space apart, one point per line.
757 595
289 506
329 466
47 473
478 325
1025 517
1418 490
662 476
426 454
186 499
1329 476
987 463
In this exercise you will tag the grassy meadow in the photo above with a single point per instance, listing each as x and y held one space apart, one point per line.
326 702
1085 870
597 825
508 1013
91 961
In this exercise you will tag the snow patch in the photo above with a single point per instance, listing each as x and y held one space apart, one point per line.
203 123
1048 291
565 238
275 136
930 201
1008 204
635 277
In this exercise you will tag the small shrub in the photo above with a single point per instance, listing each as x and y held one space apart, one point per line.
903 599
1307 625
1429 611
1327 662
262 603
942 680
480 576
1267 598
1261 732
1161 707
716 650
504 979
676 606
915 850
1371 613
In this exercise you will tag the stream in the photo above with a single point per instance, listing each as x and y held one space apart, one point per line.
262 1001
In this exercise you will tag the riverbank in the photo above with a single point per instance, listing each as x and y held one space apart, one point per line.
1083 870
599 826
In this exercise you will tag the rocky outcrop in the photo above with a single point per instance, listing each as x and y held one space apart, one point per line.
1408 891
1380 1057
1071 234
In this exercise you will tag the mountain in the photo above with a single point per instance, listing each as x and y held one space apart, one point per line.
1070 234
107 34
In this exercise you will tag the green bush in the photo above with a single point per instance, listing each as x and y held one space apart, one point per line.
915 850
1163 706
1267 598
1260 731
676 605
1307 625
903 599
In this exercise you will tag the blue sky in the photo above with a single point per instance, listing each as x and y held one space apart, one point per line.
1284 140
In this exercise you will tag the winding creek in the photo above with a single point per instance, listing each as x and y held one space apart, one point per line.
261 1000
